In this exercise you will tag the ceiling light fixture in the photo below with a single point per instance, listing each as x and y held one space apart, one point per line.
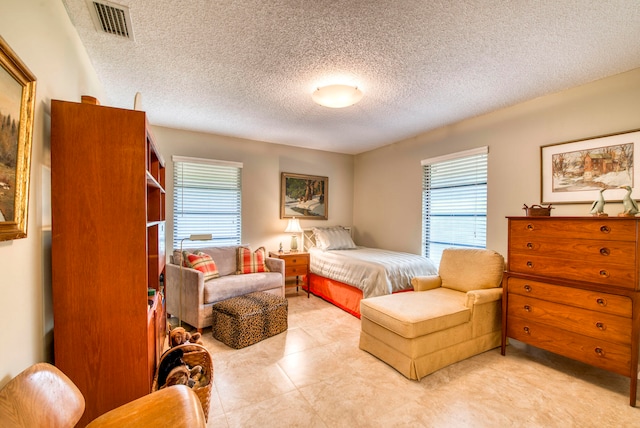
337 96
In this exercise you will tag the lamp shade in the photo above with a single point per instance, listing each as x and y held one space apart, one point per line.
337 96
293 226
201 237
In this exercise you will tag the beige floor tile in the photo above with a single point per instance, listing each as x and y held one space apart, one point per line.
287 410
242 387
215 405
314 375
219 421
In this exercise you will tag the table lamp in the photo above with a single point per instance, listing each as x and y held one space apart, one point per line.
294 227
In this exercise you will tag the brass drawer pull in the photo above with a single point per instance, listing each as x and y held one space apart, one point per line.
527 308
526 330
599 351
605 229
605 251
601 326
529 245
529 264
527 288
604 273
600 301
530 226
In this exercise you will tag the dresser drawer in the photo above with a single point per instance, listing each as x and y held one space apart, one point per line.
598 325
605 272
617 230
587 299
599 353
295 270
585 250
297 260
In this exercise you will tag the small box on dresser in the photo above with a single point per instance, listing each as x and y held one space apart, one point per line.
572 288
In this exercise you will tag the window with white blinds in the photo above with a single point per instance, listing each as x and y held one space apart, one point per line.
207 198
454 202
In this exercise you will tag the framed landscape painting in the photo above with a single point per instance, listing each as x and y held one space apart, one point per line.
17 102
304 196
575 171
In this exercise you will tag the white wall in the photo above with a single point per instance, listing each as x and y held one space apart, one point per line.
42 36
263 163
387 181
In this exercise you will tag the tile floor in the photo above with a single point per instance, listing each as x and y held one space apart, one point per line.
314 375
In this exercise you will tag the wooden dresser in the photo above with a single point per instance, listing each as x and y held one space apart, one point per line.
572 288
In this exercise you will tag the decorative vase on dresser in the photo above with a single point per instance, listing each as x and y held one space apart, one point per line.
572 288
108 252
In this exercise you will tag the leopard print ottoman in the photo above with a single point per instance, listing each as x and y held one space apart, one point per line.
242 321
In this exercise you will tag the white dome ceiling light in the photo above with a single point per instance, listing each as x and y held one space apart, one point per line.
337 96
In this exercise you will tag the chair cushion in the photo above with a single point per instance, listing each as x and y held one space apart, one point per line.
230 286
414 314
465 269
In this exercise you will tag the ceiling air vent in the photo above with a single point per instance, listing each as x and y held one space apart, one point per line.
111 18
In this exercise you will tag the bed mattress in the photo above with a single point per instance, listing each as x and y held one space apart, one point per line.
374 271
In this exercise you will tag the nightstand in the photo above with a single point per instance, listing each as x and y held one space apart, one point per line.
295 264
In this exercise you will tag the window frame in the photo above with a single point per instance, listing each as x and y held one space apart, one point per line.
230 234
476 187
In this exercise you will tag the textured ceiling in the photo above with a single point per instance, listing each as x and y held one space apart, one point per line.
247 68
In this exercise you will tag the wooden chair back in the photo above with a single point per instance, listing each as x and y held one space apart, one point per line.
40 396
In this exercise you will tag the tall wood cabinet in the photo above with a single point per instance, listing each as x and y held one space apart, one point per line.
108 251
572 287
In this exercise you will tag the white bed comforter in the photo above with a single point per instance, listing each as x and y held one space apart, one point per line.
374 271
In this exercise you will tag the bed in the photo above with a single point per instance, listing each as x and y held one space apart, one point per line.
343 273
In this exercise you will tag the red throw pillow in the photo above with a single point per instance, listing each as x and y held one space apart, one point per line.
204 263
248 262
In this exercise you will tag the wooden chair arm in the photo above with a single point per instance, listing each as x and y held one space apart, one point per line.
176 406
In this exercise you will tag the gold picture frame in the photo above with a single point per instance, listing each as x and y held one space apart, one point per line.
17 100
574 172
304 196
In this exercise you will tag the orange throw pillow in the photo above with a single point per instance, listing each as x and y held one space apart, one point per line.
248 262
204 263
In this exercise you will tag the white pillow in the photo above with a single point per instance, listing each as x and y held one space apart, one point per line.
333 238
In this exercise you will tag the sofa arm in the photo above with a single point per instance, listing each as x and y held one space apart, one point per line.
192 291
478 297
275 265
424 283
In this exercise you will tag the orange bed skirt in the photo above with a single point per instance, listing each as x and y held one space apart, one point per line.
344 296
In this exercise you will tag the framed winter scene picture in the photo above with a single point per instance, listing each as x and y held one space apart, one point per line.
576 171
304 196
17 106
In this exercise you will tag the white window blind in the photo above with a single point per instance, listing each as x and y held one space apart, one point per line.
454 202
207 198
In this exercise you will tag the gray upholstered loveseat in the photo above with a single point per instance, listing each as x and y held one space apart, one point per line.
198 295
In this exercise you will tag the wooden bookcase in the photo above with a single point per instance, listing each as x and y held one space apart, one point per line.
108 249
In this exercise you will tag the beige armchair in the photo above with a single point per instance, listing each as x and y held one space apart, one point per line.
447 318
43 396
